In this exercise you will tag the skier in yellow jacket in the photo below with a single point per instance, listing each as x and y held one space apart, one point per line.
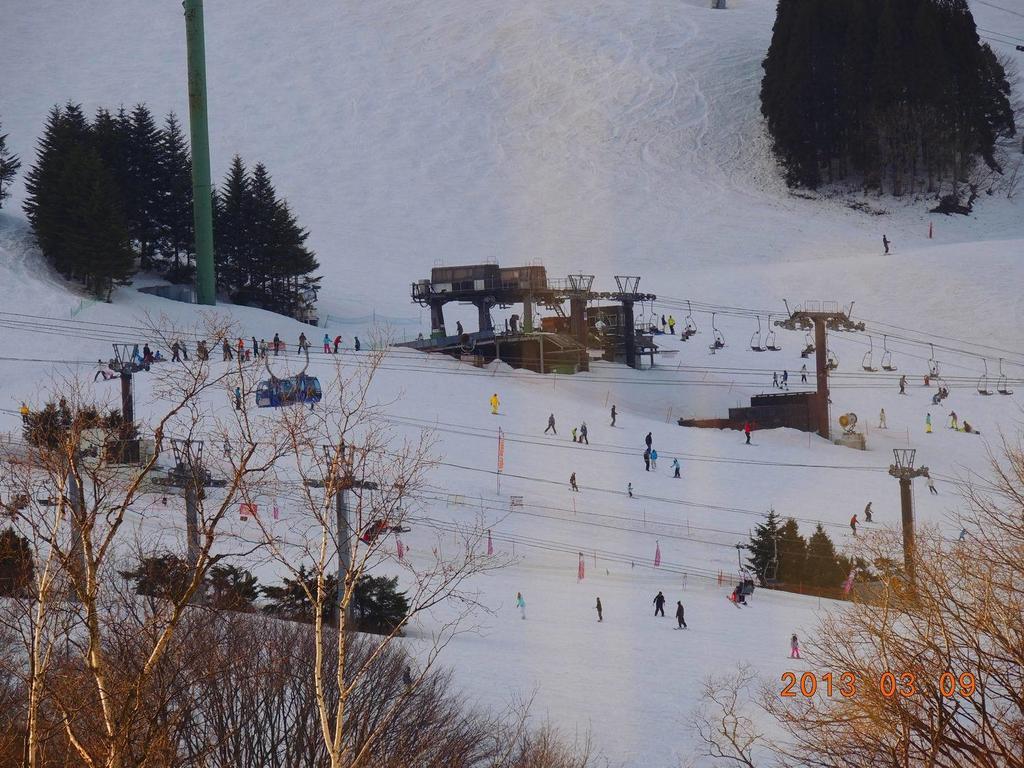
495 402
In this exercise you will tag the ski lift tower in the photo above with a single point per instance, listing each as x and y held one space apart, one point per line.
127 363
579 290
822 316
904 471
628 294
189 475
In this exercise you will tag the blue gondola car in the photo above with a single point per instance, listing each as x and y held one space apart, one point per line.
275 393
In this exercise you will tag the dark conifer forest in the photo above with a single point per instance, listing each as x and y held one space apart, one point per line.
896 96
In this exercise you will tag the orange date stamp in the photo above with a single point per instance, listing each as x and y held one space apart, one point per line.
889 684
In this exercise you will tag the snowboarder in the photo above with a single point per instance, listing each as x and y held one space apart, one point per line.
583 433
573 433
600 616
853 524
867 513
794 647
356 344
458 328
747 429
903 384
572 482
803 373
521 605
928 424
775 379
931 485
680 615
885 244
881 419
647 459
613 414
337 343
659 604
327 344
495 402
238 399
654 458
175 352
954 422
649 440
551 424
675 467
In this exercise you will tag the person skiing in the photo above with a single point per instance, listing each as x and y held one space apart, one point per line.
521 605
629 490
659 604
337 343
747 429
356 344
583 433
853 524
573 433
675 467
238 399
680 615
671 325
654 458
794 647
551 424
803 373
881 419
572 482
928 424
649 440
327 344
931 485
775 379
458 327
867 513
647 459
903 384
885 244
600 615
613 414
954 421
495 402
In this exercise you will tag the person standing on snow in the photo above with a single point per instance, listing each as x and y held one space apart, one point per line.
680 615
327 344
647 459
495 402
903 384
238 399
572 482
175 350
659 604
600 616
583 433
263 348
867 513
675 467
629 490
954 421
226 350
277 344
613 414
255 348
794 647
853 524
885 244
785 379
747 429
458 327
303 343
654 459
337 343
775 379
356 344
672 325
803 373
649 440
551 424
573 433
663 323
928 424
881 419
521 605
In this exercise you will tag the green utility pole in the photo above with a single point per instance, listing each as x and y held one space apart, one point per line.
202 189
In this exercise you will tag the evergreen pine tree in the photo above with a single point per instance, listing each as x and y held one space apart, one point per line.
792 553
174 220
377 605
763 547
231 588
9 165
142 197
16 564
231 228
291 262
823 567
290 601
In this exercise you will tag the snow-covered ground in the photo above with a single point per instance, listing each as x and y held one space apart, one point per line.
611 138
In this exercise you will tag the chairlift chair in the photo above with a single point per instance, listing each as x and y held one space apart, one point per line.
886 356
755 339
689 326
277 392
718 340
983 381
866 362
808 349
831 360
1003 385
933 364
770 342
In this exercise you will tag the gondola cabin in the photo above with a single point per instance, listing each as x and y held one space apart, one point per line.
276 393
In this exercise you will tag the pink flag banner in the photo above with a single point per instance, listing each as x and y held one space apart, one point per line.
245 511
582 569
490 544
657 554
400 547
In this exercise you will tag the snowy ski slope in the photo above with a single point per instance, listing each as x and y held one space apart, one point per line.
612 137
